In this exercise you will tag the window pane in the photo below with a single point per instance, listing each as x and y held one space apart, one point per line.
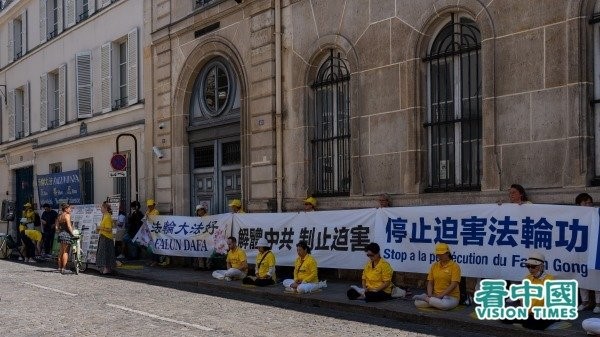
209 90
231 153
223 88
204 156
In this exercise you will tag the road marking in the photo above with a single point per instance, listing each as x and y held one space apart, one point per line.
51 289
147 314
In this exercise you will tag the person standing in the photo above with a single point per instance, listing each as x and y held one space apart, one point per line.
384 200
236 206
584 199
310 204
237 265
134 223
65 233
105 257
48 225
200 212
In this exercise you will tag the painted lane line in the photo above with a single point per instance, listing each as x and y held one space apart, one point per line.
147 314
51 289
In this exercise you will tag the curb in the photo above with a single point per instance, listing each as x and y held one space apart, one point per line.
431 319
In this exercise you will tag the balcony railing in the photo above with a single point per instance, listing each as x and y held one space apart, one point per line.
83 16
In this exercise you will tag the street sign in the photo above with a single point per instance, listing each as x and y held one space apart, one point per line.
118 162
117 174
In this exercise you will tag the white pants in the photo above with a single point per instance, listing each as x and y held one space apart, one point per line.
585 296
231 272
445 303
591 325
302 287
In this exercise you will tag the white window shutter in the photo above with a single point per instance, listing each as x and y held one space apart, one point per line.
26 119
91 7
11 115
11 41
105 73
70 13
83 73
62 94
59 17
105 3
23 33
132 67
43 13
44 102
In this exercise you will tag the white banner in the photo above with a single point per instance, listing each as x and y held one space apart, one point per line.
187 236
488 241
493 241
337 238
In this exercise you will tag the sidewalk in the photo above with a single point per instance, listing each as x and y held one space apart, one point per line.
334 297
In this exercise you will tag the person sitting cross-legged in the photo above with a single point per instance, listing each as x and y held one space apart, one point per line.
306 278
237 266
442 282
376 278
265 266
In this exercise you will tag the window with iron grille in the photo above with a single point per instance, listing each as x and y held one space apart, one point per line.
55 168
86 169
204 156
454 108
331 138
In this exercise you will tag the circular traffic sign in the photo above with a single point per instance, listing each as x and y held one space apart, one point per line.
118 162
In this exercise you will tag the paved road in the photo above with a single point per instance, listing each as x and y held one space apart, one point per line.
37 301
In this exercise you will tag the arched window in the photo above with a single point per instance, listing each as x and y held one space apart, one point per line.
454 108
331 140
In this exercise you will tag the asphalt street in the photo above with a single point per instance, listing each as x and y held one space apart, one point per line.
35 300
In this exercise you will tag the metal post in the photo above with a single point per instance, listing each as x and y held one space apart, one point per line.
135 151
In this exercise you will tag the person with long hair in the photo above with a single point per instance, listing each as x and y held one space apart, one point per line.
105 257
64 227
517 195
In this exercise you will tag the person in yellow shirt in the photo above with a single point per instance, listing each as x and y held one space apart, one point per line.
156 258
29 213
236 206
376 278
442 282
310 204
237 266
265 266
536 265
32 239
306 277
105 257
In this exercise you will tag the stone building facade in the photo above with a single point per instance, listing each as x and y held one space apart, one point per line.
433 102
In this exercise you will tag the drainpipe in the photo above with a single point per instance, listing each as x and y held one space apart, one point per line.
278 120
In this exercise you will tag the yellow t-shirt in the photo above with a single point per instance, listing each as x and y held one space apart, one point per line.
152 212
537 302
236 257
267 263
306 271
33 234
442 276
375 277
105 226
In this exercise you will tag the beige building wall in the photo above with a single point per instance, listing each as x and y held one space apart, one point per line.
67 144
536 77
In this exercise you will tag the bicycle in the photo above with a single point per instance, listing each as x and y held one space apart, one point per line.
79 264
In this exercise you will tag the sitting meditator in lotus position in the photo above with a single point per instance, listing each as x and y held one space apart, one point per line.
265 266
442 282
237 267
306 277
376 278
